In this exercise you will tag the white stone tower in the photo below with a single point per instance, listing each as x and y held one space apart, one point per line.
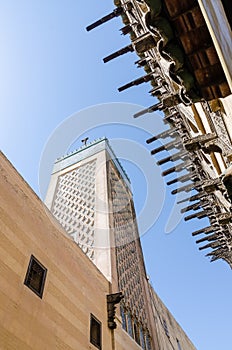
90 195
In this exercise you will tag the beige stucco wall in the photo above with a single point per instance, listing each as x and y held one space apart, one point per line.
74 287
123 341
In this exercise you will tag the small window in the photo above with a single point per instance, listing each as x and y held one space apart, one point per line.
95 332
165 327
136 333
142 340
191 21
129 325
123 316
148 342
35 277
178 344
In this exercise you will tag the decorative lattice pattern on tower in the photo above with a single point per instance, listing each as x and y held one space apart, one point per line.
128 250
74 205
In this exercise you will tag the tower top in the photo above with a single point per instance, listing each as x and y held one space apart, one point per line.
86 151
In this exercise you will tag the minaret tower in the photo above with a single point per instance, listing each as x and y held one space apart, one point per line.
90 195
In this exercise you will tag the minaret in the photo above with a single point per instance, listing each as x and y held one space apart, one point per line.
90 195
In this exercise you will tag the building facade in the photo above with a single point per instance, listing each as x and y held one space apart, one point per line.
90 196
185 50
54 293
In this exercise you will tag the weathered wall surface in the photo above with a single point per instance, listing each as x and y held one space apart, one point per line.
124 341
74 287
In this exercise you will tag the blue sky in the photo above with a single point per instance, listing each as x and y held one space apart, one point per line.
51 69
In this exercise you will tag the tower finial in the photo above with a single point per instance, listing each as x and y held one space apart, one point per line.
85 140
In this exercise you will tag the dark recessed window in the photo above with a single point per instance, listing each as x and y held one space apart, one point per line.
190 20
165 327
136 333
148 342
178 344
227 8
35 277
95 331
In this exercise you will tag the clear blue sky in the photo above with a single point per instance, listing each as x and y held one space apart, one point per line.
50 69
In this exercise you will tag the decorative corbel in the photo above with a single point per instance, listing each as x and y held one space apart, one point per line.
112 300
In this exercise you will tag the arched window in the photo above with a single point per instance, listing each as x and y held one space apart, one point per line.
142 340
123 316
129 325
148 342
136 332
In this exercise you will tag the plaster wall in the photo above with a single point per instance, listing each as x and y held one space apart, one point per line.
74 287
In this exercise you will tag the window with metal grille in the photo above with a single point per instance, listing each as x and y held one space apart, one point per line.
35 277
95 332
